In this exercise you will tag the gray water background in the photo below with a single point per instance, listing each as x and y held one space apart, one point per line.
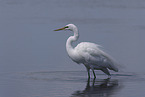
33 60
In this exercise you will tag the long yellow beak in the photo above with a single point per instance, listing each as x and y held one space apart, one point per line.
60 29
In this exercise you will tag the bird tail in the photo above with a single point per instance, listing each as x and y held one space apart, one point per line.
113 68
112 64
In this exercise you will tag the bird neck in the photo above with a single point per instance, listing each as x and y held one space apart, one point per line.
72 39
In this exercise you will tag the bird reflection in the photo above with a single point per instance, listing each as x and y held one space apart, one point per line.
99 88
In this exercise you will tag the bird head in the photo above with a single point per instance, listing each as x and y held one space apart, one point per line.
67 27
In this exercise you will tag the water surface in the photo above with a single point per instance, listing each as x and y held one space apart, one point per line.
33 60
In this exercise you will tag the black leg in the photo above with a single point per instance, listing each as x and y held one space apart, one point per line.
88 73
94 74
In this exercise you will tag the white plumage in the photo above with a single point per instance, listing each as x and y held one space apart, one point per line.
88 53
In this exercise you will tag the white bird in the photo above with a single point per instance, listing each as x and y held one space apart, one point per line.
88 54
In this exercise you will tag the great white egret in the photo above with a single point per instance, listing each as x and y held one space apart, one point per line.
88 54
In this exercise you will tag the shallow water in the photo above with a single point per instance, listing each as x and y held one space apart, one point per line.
33 60
71 84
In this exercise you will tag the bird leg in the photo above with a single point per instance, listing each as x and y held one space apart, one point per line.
94 74
88 73
92 68
88 70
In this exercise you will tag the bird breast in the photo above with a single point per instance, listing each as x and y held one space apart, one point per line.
74 55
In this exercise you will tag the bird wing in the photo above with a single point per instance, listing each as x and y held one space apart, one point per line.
93 55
